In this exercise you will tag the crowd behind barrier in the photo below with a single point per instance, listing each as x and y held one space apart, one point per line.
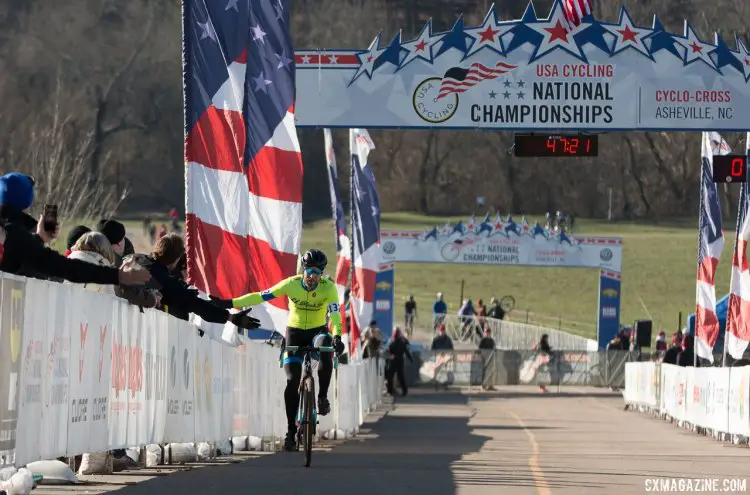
499 367
84 372
709 400
513 335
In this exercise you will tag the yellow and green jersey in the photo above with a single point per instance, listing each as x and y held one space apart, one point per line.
307 308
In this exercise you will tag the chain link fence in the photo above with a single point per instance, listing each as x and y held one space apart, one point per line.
512 335
488 368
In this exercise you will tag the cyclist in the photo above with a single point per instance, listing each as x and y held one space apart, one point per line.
410 312
311 296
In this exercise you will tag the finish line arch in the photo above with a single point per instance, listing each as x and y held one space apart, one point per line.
505 242
530 74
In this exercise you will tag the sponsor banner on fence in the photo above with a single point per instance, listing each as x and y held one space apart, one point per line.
11 341
714 398
529 74
82 371
502 247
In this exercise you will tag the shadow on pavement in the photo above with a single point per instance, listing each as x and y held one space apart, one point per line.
406 452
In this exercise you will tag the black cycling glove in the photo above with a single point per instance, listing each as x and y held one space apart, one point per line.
222 303
338 345
244 320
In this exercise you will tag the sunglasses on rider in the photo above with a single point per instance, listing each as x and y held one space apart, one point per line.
313 271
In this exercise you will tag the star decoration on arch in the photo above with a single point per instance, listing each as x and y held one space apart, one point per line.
367 59
420 48
628 35
695 48
592 32
521 33
455 38
555 35
743 54
660 39
392 53
488 35
725 56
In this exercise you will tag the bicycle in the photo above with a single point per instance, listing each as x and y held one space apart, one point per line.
307 413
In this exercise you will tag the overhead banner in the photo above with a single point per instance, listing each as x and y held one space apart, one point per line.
502 242
530 74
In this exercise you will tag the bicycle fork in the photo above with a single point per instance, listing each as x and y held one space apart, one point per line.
300 408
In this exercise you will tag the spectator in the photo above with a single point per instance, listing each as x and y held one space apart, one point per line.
115 233
372 339
546 354
661 342
75 234
487 348
487 342
687 356
19 248
670 355
496 311
465 313
410 313
94 248
161 231
439 309
441 342
177 298
397 349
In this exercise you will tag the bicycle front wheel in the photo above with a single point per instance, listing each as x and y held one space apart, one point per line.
309 419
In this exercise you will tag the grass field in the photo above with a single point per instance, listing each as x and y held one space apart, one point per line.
658 280
659 270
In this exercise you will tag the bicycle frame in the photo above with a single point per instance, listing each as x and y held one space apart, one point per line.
307 371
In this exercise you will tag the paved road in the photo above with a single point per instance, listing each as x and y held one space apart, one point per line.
513 441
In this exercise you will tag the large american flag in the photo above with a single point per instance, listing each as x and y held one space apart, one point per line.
242 157
366 234
737 335
343 246
575 10
710 246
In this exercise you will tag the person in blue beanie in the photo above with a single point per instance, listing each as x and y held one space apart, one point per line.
20 250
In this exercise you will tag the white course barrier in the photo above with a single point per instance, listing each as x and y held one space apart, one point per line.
716 399
82 372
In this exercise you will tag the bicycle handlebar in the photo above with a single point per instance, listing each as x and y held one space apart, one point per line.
295 348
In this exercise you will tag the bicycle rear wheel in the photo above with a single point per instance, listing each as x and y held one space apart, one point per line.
309 419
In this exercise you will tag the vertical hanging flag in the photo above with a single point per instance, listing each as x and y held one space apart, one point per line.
737 335
710 246
575 10
365 233
343 256
343 246
243 167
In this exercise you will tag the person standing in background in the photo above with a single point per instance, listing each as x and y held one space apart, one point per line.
397 349
410 313
439 309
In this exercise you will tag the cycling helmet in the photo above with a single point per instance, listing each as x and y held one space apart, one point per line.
314 258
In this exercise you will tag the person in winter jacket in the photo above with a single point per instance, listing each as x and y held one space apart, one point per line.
441 342
94 248
177 298
21 250
398 347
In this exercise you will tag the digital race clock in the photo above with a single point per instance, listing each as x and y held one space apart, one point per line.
730 168
533 145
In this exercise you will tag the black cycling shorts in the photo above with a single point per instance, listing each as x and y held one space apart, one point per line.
301 338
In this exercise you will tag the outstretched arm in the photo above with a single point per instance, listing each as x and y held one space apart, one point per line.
255 298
